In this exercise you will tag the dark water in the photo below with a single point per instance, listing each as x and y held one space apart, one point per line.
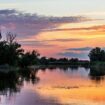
53 86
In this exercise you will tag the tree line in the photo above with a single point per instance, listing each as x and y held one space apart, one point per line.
11 53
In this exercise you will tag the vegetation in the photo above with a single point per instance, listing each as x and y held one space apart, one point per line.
10 51
97 54
12 54
12 81
29 58
63 61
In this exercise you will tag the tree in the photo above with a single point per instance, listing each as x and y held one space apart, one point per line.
11 53
10 50
14 53
3 52
29 58
10 37
97 54
44 60
0 35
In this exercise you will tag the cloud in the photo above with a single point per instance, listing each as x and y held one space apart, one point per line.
44 43
93 28
36 43
52 40
81 55
66 40
26 24
7 12
80 49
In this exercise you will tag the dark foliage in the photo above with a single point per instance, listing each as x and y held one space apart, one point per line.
29 58
97 54
12 81
10 51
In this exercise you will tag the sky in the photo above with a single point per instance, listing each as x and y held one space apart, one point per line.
55 28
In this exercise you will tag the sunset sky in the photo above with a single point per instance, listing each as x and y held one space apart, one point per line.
56 28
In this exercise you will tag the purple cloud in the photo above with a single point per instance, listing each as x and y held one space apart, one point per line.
36 43
44 43
82 55
80 49
26 24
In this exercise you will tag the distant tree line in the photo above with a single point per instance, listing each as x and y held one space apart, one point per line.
12 54
63 61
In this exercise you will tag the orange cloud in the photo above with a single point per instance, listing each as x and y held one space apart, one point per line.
92 28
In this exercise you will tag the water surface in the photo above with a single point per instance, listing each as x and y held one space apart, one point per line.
53 86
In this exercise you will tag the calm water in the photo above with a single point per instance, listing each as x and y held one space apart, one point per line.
53 86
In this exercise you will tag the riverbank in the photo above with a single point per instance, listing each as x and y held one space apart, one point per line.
53 65
7 68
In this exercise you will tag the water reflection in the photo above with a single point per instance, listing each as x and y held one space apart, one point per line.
97 74
61 67
9 82
54 85
29 75
72 84
13 81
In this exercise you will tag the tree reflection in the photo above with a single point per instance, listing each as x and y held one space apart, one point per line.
12 81
29 75
97 73
60 67
9 82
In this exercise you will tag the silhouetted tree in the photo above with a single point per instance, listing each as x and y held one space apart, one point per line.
10 37
29 58
3 52
97 54
14 53
0 35
63 60
74 60
52 60
10 50
44 60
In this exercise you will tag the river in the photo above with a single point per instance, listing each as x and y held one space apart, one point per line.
53 86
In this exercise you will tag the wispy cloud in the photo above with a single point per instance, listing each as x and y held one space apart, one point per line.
66 40
80 49
36 43
81 55
93 28
26 24
53 40
45 43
